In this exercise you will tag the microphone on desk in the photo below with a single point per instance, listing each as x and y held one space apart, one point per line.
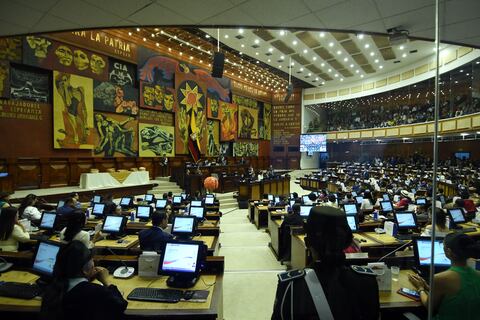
393 251
5 265
123 272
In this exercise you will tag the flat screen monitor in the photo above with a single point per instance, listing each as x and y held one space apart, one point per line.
456 215
97 198
60 203
177 199
386 206
181 257
45 258
313 143
305 199
183 225
197 212
209 195
352 223
209 200
196 203
148 197
386 197
184 196
98 209
421 202
305 211
350 209
114 224
277 199
126 201
422 249
270 197
161 203
48 220
406 220
354 194
462 155
143 212
359 199
292 202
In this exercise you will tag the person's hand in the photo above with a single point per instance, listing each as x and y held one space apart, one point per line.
418 282
101 274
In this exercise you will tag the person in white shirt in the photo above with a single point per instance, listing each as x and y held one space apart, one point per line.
441 224
27 209
367 203
73 230
11 231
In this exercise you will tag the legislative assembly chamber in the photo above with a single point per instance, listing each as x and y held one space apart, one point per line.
240 159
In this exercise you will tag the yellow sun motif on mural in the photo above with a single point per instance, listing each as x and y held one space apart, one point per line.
191 97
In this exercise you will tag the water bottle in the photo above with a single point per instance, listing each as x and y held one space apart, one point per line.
375 215
132 216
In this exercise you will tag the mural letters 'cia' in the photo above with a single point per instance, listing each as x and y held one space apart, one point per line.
155 140
114 135
121 73
72 111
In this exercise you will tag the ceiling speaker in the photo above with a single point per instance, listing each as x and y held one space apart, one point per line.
218 64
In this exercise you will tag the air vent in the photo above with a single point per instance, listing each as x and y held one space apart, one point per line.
255 46
413 51
396 61
268 54
239 36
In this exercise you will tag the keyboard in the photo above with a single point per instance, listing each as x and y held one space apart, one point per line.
19 290
156 295
469 229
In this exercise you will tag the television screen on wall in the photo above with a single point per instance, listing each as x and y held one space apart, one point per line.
313 143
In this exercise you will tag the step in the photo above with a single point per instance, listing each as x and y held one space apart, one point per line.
163 179
228 206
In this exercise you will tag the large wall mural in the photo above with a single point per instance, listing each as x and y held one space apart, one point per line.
114 135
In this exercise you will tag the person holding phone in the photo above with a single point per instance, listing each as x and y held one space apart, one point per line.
74 230
73 276
456 293
350 294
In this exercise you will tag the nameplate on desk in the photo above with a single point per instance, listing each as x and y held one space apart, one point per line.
357 255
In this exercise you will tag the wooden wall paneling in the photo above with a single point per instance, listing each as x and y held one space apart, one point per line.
126 163
79 166
279 163
59 172
104 164
6 183
293 163
28 174
149 165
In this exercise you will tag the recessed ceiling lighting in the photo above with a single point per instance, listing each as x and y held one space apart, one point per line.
301 69
282 32
360 36
138 29
336 75
322 64
341 79
309 74
129 33
280 66
376 60
329 70
191 58
357 71
226 36
240 30
401 47
270 49
144 39
351 65
268 60
294 42
256 41
242 45
367 46
330 44
381 67
404 55
345 59
316 79
305 50
339 52
256 53
372 54
314 58
157 44
282 57
322 34
361 76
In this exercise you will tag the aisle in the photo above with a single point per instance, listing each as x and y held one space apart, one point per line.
251 269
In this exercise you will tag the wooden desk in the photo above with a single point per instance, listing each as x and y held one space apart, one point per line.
211 309
299 256
274 230
260 217
211 242
391 300
128 242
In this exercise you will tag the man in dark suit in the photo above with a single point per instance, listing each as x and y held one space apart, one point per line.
110 206
153 239
69 206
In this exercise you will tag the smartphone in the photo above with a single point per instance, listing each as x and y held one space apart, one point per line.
409 293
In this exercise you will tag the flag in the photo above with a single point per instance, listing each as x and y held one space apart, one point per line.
193 143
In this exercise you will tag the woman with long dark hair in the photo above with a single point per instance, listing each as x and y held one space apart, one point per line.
74 229
27 209
11 231
72 295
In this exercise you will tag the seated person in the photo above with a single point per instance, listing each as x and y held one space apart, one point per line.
312 198
73 276
73 231
295 196
69 206
11 231
27 209
293 218
327 235
5 199
404 200
423 213
331 201
367 203
110 206
75 196
456 291
152 239
441 227
348 199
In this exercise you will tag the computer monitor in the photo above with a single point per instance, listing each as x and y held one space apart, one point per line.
350 209
143 212
421 202
126 201
305 211
161 203
210 195
196 203
177 200
47 222
292 202
98 209
182 261
305 199
359 199
183 226
405 220
114 224
209 200
60 203
422 251
386 206
183 195
396 198
45 258
97 198
277 199
197 212
149 197
270 197
456 215
354 193
352 223
386 197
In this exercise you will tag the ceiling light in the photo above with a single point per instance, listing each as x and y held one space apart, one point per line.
372 54
381 67
367 46
330 44
376 60
341 79
191 58
322 34
329 70
360 36
242 45
361 76
269 60
336 75
258 61
282 57
240 53
138 29
226 36
181 53
144 39
322 64
305 50
294 42
323 82
256 53
256 41
240 30
316 79
169 49
201 61
282 32
357 71
157 44
461 71
401 47
152 35
404 55
301 69
351 65
207 36
339 52
280 66
129 33
309 74
270 49
345 59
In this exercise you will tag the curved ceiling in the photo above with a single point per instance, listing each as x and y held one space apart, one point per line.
460 19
